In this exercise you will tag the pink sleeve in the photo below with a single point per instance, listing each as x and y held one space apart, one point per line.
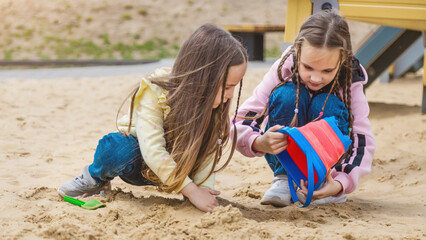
358 164
248 130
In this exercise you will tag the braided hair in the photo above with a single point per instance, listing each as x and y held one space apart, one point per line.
325 29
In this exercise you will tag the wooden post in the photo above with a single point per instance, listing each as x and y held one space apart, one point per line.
297 13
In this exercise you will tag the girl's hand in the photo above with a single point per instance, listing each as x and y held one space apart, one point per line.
271 141
331 187
202 198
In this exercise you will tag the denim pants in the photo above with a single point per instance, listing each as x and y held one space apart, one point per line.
282 104
118 155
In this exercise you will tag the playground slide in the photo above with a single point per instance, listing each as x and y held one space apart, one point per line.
383 48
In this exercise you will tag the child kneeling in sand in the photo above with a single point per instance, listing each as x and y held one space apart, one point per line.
316 77
177 124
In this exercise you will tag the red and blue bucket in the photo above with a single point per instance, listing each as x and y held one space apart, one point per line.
312 150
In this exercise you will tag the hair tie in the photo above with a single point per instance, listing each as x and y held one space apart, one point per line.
350 129
320 114
219 141
296 110
233 121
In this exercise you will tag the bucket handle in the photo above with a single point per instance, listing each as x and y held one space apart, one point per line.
311 184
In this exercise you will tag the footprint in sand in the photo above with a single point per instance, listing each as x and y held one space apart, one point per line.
7 178
386 177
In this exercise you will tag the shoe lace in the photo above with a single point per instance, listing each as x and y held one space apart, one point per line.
81 180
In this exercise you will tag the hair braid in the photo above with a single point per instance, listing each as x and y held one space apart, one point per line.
238 102
346 90
283 81
337 93
280 66
219 146
294 121
348 99
234 139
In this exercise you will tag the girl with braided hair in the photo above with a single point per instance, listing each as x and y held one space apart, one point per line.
316 77
177 123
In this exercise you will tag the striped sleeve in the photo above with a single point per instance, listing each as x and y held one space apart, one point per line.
359 160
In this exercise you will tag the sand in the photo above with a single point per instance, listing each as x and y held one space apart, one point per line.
50 129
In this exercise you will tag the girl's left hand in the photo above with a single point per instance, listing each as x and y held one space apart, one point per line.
331 187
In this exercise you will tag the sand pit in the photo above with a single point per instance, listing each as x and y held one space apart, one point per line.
50 131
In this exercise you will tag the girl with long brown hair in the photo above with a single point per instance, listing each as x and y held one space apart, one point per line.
316 77
177 124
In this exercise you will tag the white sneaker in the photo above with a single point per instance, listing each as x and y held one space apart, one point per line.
278 195
340 199
82 185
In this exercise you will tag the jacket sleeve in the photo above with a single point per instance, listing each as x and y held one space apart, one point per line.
358 163
202 174
150 133
249 130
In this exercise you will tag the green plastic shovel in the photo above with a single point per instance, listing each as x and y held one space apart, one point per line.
89 205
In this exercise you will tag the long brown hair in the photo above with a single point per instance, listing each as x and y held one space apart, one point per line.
194 130
323 29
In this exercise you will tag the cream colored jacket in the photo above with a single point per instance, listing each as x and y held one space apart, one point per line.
150 110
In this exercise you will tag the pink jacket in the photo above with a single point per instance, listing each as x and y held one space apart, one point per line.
354 166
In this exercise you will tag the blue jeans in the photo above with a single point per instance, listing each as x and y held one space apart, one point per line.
281 111
118 155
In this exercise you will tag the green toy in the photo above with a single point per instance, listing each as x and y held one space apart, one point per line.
89 205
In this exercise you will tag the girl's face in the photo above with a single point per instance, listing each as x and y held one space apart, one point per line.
318 66
235 74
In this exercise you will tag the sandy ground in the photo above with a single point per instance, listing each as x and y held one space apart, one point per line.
50 131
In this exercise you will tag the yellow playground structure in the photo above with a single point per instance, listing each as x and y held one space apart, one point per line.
403 28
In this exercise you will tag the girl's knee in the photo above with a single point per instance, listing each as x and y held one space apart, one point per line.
333 107
286 95
116 139
283 104
114 146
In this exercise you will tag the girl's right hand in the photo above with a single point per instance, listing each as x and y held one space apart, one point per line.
202 198
271 141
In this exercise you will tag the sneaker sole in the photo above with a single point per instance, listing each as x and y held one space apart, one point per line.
302 199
